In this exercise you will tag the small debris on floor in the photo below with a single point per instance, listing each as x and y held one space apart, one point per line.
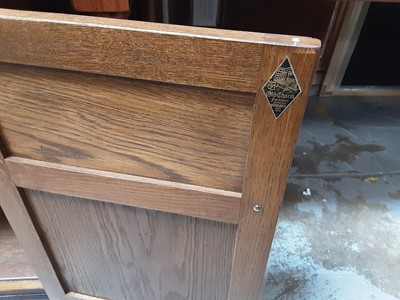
307 192
371 179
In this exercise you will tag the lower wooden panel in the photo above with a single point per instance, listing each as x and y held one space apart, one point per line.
117 252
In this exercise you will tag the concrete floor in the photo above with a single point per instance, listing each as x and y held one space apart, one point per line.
341 240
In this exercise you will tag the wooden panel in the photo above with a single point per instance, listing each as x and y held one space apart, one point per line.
129 190
182 134
116 252
271 150
101 5
168 53
74 122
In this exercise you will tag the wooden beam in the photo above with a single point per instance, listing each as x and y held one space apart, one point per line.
23 227
172 197
77 296
211 58
271 149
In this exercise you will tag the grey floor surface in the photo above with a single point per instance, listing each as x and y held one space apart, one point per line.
342 239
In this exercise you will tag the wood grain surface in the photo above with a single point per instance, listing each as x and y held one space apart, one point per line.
128 190
184 55
13 287
97 126
118 252
23 289
78 296
23 226
271 150
181 134
101 5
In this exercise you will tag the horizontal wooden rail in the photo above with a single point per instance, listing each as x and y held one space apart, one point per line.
184 199
211 58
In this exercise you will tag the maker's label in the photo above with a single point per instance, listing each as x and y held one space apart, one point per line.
282 88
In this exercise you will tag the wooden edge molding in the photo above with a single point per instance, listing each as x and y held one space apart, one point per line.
184 199
271 148
164 29
77 296
211 58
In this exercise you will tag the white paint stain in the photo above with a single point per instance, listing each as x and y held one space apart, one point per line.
311 207
293 274
353 246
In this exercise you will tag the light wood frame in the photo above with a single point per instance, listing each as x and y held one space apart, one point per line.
236 61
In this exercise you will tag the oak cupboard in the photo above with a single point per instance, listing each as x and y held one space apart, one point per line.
145 161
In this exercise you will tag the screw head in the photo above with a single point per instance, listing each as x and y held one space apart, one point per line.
257 208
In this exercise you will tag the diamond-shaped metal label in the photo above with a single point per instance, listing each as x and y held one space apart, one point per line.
282 88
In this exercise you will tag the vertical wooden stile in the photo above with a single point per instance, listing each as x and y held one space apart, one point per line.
20 220
271 148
